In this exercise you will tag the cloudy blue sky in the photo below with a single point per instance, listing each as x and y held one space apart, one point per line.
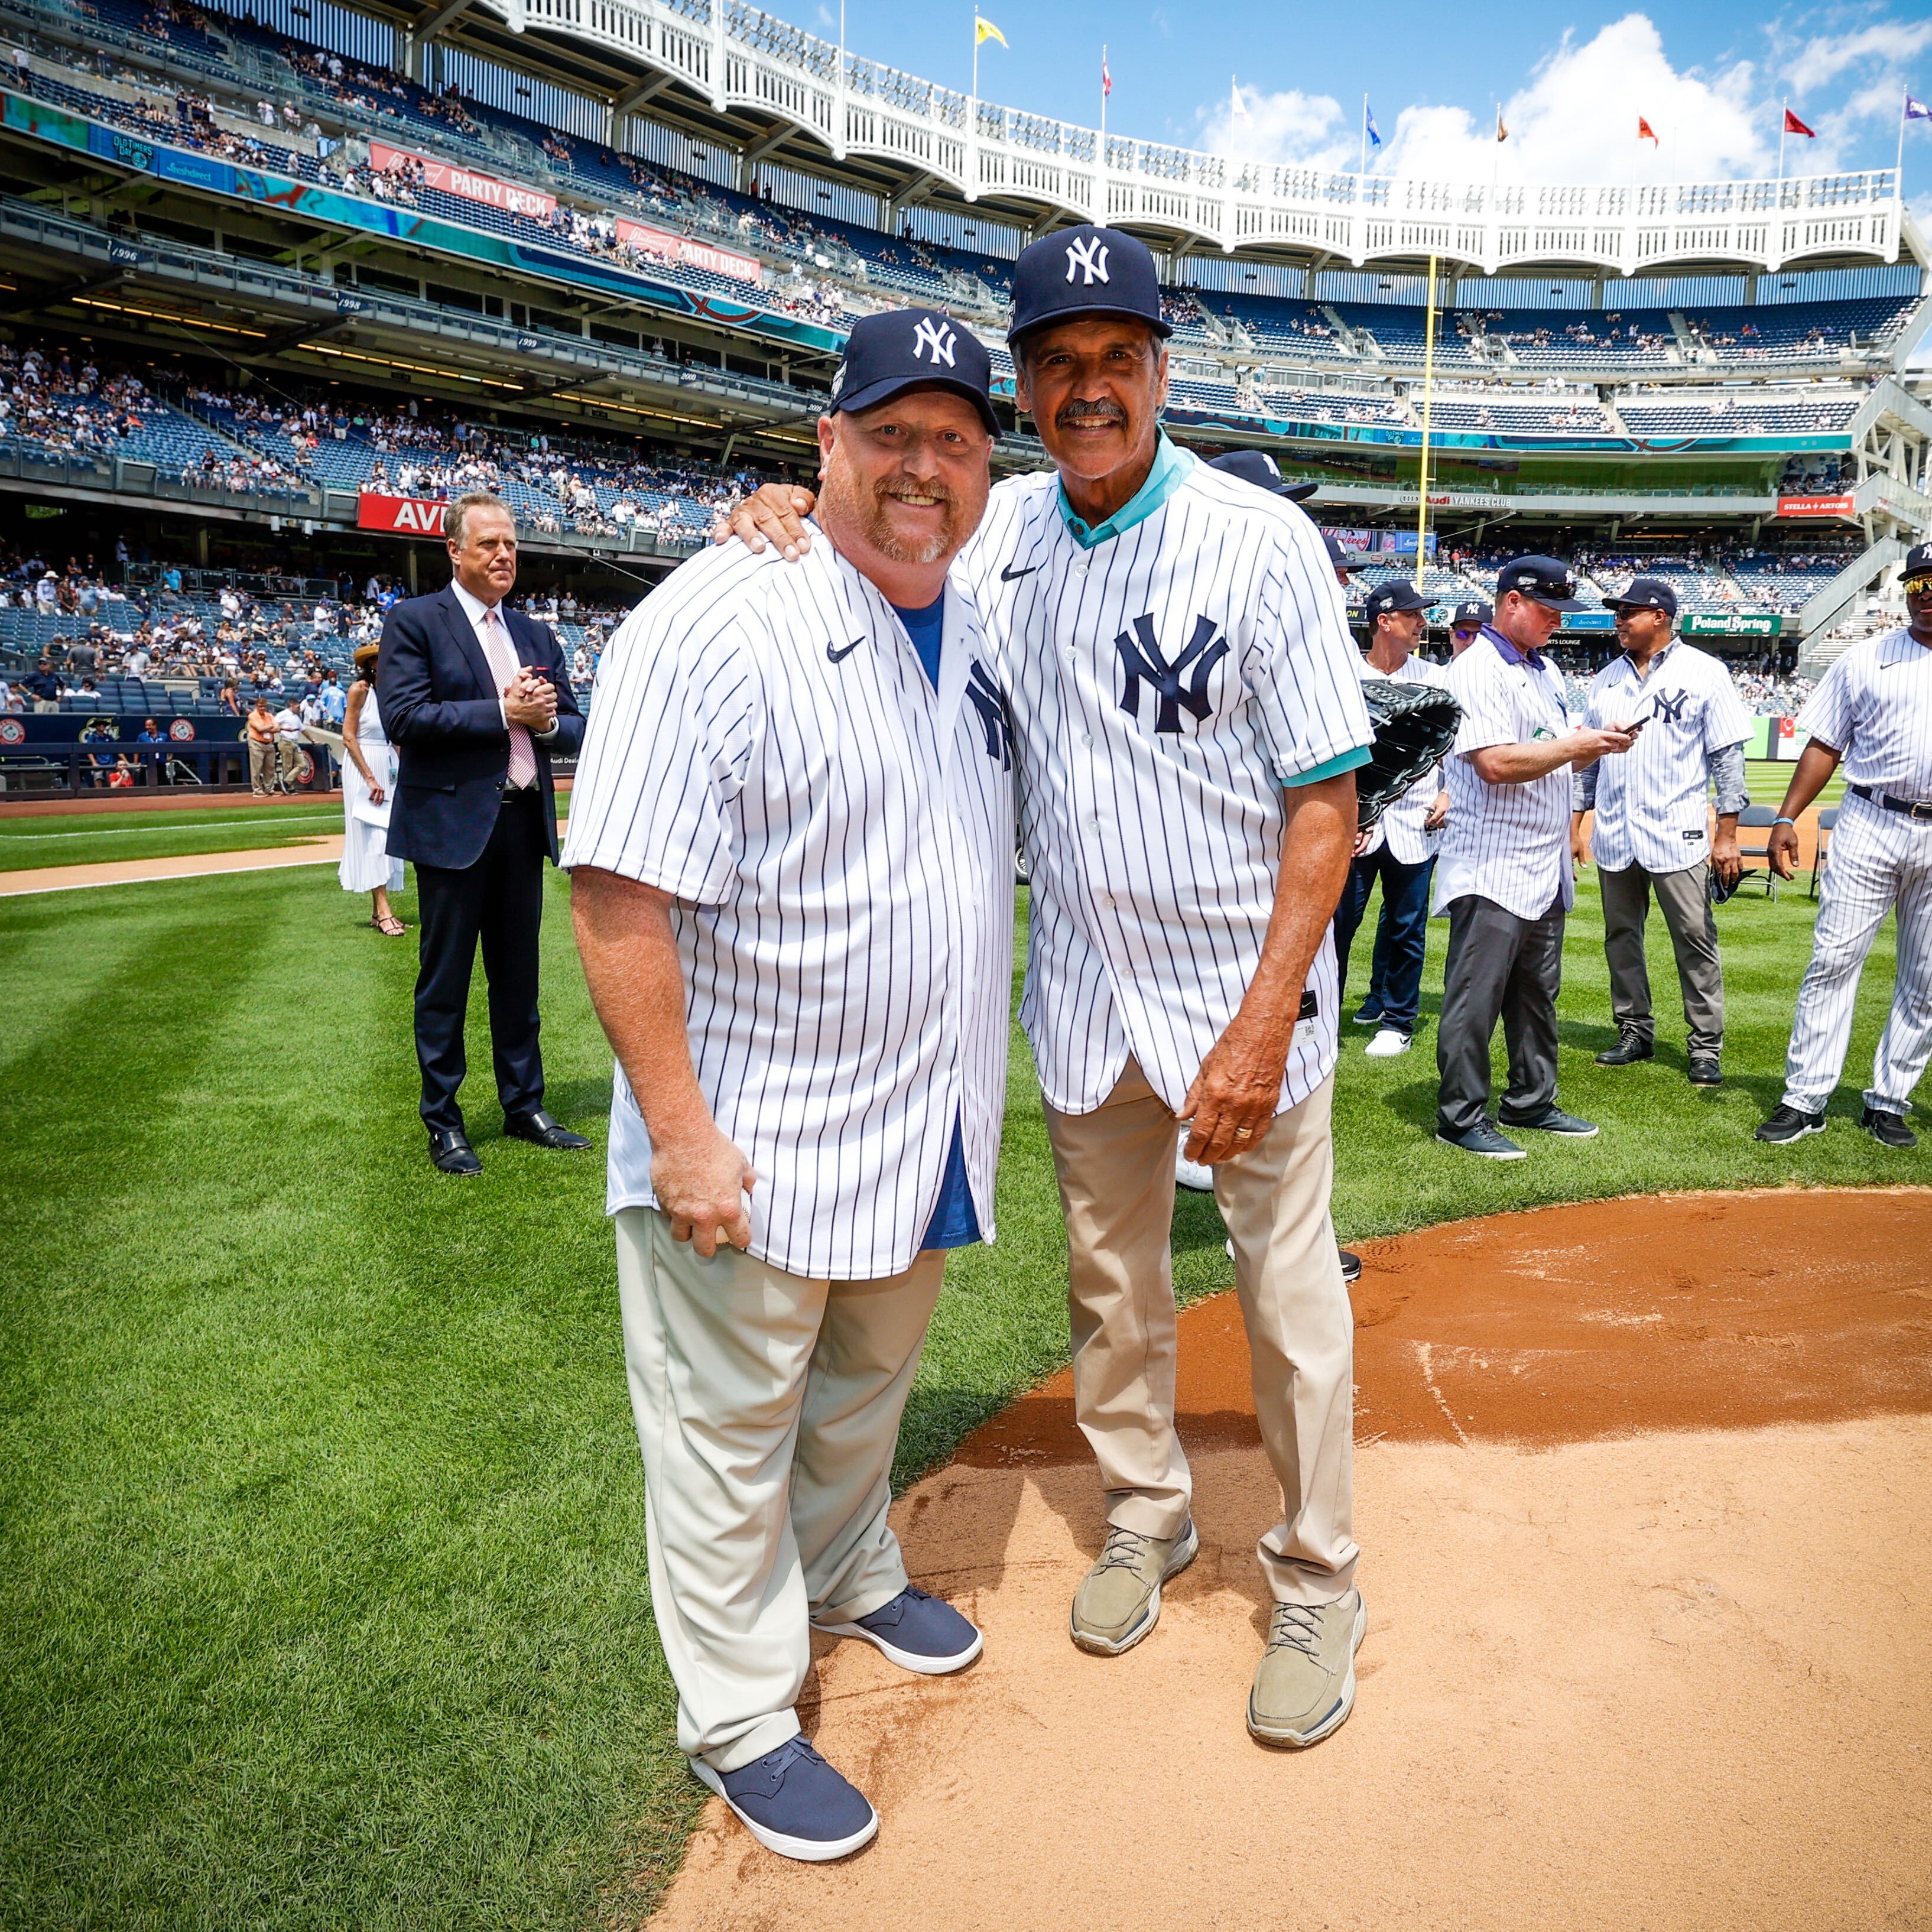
1571 80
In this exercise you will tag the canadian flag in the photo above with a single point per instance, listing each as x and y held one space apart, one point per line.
1646 132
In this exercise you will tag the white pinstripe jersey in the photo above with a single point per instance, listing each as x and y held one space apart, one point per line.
1399 827
1509 843
1652 802
1164 685
765 747
1874 704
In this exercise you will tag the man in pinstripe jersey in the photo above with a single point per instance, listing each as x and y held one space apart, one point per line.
791 841
1187 715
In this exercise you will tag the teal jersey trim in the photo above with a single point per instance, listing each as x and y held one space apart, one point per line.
1171 466
1332 768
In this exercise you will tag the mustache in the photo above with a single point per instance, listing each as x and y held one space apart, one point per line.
898 489
1100 409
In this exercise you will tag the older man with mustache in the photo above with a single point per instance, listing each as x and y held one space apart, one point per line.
791 842
1188 715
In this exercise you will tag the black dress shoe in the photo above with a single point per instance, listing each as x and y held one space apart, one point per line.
546 1132
1706 1070
449 1148
1628 1051
1351 1264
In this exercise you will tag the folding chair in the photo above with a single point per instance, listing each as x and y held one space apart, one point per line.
1828 824
1759 818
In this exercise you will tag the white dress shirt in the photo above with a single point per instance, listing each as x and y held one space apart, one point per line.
477 611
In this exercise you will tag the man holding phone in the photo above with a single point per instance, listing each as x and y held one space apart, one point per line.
1652 811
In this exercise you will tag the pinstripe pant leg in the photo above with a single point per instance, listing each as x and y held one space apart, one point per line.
1116 1170
1906 1042
1860 885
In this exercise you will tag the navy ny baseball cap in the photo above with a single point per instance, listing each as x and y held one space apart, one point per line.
1258 467
1542 579
1472 611
1085 271
1343 559
1645 593
1919 561
1398 595
909 349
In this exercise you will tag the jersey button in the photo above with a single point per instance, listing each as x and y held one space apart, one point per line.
1087 738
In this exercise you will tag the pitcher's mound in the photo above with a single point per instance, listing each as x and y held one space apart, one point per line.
1645 1494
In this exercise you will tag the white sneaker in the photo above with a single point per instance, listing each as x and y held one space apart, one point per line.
1192 1174
1387 1044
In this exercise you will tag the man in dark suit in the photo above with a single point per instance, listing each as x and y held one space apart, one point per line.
476 699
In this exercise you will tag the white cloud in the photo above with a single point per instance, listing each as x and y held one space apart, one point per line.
1821 60
1575 121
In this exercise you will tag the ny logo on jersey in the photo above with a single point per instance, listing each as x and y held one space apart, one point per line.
936 337
1668 705
1141 659
993 719
1089 258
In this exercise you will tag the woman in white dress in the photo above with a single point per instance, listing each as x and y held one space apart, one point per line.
368 777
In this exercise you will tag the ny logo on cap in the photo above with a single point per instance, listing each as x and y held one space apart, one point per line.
1142 660
1088 257
936 337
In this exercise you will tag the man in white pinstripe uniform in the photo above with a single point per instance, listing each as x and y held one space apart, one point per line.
1872 711
791 841
1187 715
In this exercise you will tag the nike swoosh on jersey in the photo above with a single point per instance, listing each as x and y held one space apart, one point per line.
1008 574
839 657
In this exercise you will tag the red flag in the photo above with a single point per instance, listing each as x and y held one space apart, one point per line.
1646 132
1793 125
1106 79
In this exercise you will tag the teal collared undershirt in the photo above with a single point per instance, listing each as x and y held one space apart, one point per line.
1170 469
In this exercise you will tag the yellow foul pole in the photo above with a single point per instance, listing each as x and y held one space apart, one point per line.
1428 400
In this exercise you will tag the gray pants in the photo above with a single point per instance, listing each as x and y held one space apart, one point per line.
1693 938
1503 967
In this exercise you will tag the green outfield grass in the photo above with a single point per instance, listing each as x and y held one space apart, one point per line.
326 1603
89 838
1766 779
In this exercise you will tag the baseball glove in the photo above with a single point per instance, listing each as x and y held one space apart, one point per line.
1415 725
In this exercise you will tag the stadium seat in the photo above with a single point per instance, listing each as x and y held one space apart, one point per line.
1759 818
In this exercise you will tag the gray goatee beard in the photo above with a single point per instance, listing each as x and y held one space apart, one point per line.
850 502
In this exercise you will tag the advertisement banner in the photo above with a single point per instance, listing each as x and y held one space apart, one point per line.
1731 624
1380 543
667 247
1814 506
408 516
486 188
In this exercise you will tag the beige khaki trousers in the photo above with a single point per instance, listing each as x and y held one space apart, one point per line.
1116 1167
768 1409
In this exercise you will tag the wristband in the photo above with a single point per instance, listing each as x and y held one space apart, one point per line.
1792 822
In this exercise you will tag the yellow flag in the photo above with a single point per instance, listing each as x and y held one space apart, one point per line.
984 30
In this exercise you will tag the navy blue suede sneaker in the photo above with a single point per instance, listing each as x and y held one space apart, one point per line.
794 1803
917 1632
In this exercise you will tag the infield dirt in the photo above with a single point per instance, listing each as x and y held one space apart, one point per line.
1644 1490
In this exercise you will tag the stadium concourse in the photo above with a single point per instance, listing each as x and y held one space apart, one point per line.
283 281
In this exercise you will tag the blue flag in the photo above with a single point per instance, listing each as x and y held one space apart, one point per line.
1368 117
1917 110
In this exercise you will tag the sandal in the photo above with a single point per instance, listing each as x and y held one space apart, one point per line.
391 928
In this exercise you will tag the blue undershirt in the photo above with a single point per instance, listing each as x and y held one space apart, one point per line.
954 1224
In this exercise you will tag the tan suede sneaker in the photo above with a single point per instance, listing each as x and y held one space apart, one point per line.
1305 1683
1118 1601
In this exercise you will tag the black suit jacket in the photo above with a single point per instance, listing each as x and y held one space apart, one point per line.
441 710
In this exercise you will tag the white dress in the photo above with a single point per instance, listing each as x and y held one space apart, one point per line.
366 863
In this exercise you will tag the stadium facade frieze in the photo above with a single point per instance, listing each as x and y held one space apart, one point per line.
739 59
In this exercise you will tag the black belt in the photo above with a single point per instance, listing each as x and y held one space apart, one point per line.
510 792
1920 814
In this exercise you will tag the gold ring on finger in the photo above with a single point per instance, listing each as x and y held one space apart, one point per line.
1243 1133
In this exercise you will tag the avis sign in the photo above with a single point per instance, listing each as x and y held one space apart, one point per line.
401 516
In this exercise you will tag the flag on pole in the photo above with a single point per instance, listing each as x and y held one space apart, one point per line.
1241 107
1106 79
984 30
1502 132
1916 109
1374 133
1646 132
1793 125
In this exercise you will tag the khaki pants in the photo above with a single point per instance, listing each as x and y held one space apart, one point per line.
768 1409
288 761
1116 1167
261 767
1686 900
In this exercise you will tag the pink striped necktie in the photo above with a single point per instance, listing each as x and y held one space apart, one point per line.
503 667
